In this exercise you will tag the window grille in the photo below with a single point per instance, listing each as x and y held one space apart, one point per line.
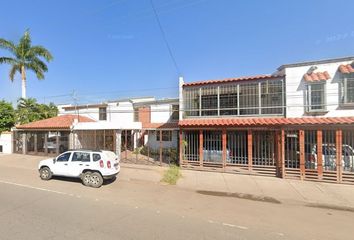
292 149
102 113
315 97
310 149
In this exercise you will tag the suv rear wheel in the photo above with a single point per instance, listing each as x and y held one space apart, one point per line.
45 173
96 180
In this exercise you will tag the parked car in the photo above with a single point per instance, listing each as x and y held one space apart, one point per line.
91 166
52 144
329 156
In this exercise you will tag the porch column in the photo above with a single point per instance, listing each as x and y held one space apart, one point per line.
46 143
319 154
71 140
160 147
249 148
339 146
181 147
281 152
24 143
224 148
118 136
201 148
57 145
148 144
302 153
35 140
125 144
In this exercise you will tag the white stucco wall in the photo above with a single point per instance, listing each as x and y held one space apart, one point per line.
5 142
151 140
296 86
161 113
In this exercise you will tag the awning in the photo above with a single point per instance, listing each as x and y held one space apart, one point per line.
260 122
346 69
316 77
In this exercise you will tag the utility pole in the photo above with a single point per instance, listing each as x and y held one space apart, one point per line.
75 98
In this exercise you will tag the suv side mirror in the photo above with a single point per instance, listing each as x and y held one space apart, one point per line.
54 160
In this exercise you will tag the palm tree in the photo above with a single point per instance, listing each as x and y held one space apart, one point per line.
25 57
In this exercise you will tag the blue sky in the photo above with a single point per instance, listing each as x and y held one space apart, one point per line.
110 49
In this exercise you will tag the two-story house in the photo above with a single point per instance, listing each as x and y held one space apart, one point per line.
297 122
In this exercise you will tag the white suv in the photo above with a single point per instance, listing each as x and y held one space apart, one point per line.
89 165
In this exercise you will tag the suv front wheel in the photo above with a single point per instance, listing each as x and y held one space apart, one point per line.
45 173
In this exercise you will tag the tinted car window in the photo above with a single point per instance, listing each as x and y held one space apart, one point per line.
81 157
96 157
64 157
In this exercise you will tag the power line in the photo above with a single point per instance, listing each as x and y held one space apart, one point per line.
164 37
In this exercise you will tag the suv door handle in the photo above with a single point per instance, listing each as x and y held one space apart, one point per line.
65 164
80 164
87 165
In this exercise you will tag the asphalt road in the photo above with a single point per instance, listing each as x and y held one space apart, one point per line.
64 209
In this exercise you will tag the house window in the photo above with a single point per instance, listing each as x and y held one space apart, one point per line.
102 113
136 114
246 99
209 101
347 93
315 97
228 100
175 112
166 136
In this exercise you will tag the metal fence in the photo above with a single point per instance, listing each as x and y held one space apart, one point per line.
191 146
212 147
237 147
263 151
348 151
292 149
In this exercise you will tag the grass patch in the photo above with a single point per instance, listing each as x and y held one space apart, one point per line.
171 175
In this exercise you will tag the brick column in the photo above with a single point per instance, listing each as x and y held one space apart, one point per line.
281 151
319 154
201 140
224 148
181 147
339 146
302 153
249 147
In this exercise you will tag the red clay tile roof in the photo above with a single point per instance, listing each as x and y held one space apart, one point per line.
319 76
59 122
172 125
227 80
346 69
246 122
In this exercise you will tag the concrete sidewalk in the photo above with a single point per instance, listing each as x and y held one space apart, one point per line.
284 190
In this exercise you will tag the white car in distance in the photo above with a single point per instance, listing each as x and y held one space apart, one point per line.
91 166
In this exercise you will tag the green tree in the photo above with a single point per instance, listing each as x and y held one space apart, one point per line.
7 116
25 57
28 110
